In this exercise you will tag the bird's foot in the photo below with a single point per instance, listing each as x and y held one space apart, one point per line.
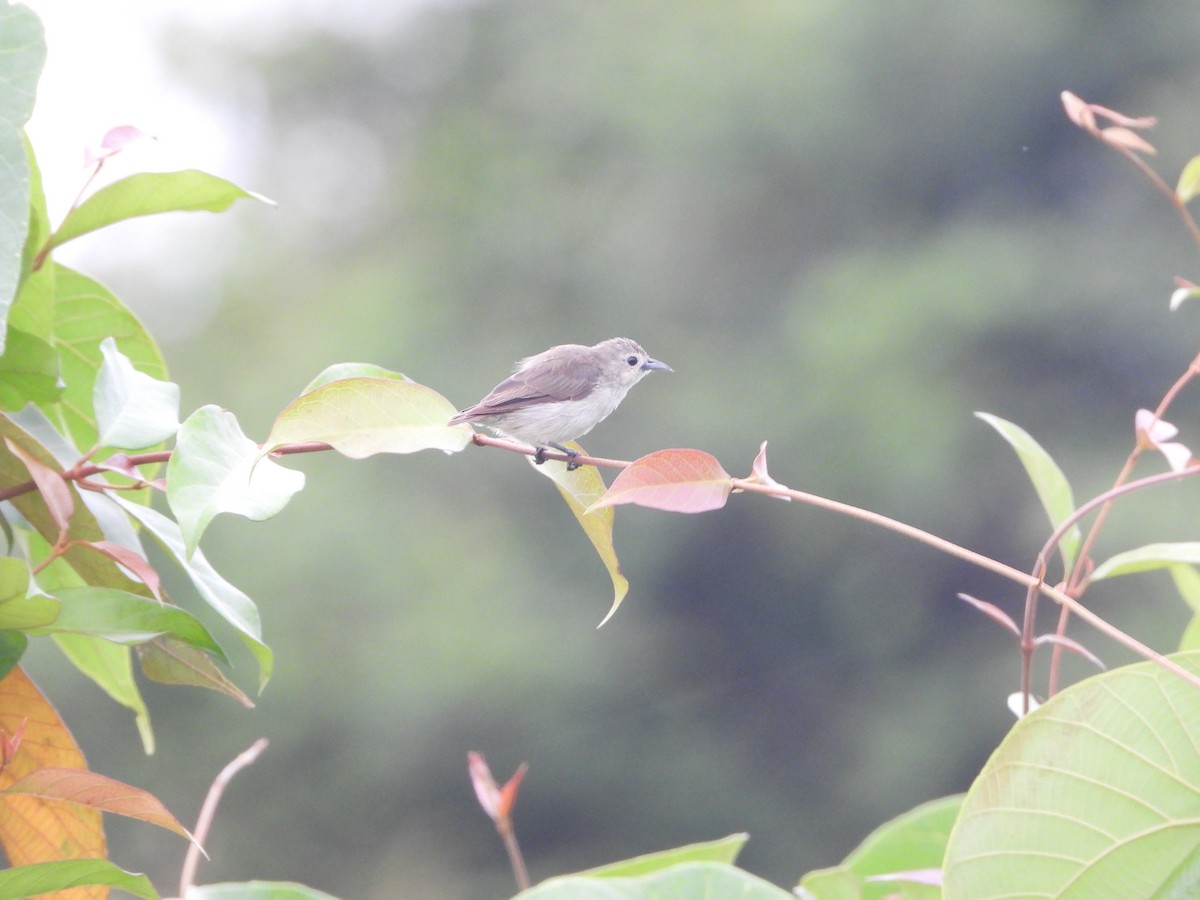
539 455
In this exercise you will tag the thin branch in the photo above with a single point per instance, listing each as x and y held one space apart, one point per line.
187 876
977 559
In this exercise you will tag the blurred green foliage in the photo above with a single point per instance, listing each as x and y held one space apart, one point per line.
846 226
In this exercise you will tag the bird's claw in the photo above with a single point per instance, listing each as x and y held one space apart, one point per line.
539 456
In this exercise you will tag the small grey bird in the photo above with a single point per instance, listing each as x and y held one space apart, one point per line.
562 394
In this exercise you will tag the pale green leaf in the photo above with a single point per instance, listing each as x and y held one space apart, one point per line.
217 469
359 417
914 841
133 410
1048 480
125 618
834 883
22 53
19 608
235 607
1187 583
85 314
683 880
1189 180
342 371
580 488
148 193
1148 558
257 890
722 850
109 665
28 371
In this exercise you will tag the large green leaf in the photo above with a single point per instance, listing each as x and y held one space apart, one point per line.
1095 794
146 194
22 53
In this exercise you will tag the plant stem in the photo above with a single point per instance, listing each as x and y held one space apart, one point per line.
187 876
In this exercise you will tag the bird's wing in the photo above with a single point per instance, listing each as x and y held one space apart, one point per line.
542 379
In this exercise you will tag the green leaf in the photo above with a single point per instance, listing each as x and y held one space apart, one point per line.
359 417
146 194
125 618
1187 583
1094 794
169 661
580 488
341 371
1048 480
911 842
19 609
835 883
689 879
217 469
12 648
85 314
33 307
231 604
28 613
22 54
109 665
1189 180
133 410
256 890
1148 558
722 850
43 878
105 663
28 371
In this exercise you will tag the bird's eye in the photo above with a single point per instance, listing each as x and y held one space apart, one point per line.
632 360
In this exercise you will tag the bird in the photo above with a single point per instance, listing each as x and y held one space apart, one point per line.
561 394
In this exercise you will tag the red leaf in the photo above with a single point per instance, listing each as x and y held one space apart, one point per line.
760 475
98 792
1072 645
136 564
50 484
486 791
1078 111
993 611
1131 140
685 481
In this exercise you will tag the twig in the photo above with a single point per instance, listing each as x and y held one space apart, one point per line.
209 810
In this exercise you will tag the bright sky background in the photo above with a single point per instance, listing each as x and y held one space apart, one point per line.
104 69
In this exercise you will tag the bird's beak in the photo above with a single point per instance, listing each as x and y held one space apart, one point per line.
655 364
